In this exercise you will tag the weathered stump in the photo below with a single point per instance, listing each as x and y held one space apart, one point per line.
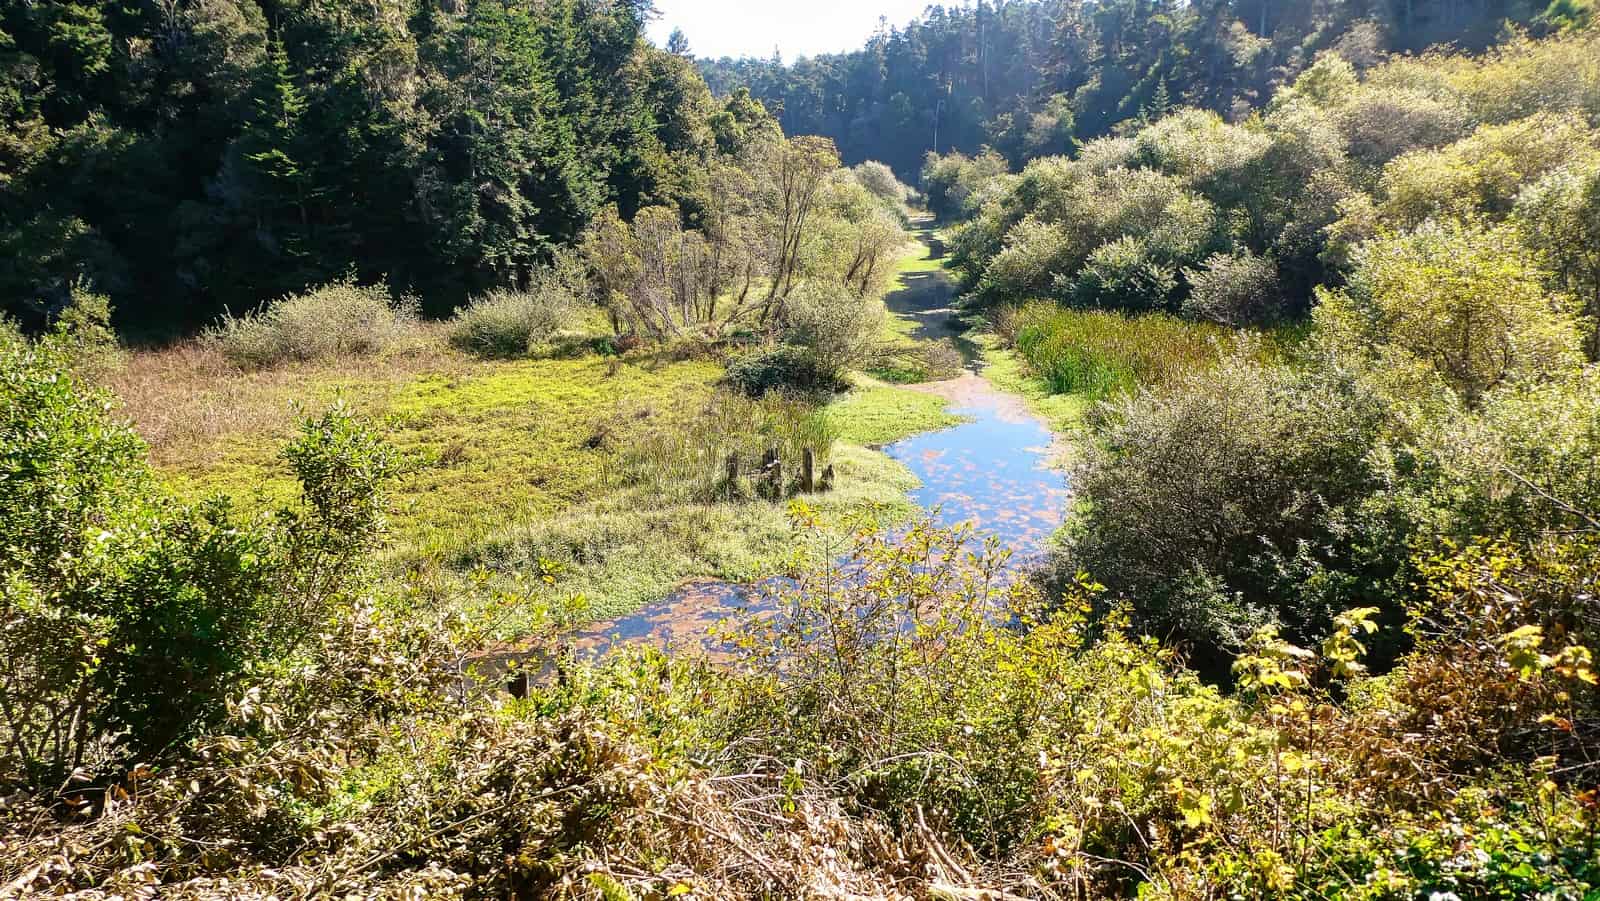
731 473
772 473
808 471
827 479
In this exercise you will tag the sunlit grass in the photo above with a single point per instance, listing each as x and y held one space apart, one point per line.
1098 354
877 413
582 464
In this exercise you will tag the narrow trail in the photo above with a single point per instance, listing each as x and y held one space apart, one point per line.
993 470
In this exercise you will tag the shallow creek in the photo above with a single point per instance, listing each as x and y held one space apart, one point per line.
993 471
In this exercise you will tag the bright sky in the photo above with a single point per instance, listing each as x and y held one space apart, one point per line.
717 28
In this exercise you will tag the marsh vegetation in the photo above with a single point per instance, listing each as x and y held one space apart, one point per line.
303 598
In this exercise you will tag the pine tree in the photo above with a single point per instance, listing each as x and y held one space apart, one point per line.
678 43
270 144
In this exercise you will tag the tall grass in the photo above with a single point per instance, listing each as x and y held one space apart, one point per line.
1100 353
690 463
335 320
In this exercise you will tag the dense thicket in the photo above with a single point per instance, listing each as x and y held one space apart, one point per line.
192 155
1027 77
1434 214
1238 222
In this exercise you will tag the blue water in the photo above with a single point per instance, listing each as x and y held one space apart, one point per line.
991 471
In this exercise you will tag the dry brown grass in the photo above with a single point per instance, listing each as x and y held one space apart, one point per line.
185 397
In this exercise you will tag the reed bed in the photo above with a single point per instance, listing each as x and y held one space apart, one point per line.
1100 353
691 463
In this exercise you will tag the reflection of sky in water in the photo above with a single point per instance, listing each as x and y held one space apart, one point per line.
991 471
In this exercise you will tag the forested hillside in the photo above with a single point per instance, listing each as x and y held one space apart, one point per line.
1027 78
186 157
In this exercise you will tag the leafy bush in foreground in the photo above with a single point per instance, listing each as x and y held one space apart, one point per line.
126 617
911 724
333 321
1221 501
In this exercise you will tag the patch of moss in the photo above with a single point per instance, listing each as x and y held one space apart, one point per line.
877 413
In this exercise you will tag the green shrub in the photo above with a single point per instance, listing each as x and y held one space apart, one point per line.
783 367
880 180
1230 497
83 331
1123 275
1236 290
125 617
508 323
837 329
1465 301
336 320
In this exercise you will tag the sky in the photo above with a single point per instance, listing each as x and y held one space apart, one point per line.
717 28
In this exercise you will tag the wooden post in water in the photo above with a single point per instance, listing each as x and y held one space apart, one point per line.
808 470
772 472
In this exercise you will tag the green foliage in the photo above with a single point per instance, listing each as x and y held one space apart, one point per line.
512 323
336 320
1559 218
1028 80
1100 354
881 181
1235 289
127 617
82 330
1464 300
779 368
516 323
1482 173
1220 501
952 183
835 329
260 151
1123 275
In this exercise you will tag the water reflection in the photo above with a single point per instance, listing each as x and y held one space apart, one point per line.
992 471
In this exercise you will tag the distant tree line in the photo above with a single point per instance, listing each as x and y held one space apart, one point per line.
1027 77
